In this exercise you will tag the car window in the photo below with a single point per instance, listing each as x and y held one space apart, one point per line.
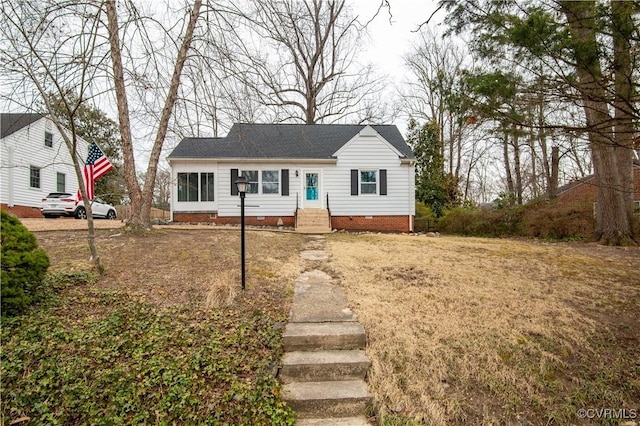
58 195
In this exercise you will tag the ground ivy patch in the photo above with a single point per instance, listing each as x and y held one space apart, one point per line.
134 363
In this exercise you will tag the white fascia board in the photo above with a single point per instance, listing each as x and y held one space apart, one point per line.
368 131
256 160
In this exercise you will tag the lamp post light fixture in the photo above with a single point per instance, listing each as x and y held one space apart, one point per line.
242 183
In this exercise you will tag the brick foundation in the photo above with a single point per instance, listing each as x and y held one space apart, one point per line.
233 220
371 223
22 211
349 223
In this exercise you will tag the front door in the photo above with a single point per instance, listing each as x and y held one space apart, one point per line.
312 189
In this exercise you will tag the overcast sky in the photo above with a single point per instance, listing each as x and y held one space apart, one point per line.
392 36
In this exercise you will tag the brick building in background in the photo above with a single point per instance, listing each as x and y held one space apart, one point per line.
584 190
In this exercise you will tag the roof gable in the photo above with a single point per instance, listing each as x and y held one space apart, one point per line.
370 133
11 123
284 141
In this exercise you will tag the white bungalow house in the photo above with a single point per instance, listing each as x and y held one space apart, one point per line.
358 177
34 161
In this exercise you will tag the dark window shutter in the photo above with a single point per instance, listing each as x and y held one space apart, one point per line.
354 182
234 178
383 182
284 175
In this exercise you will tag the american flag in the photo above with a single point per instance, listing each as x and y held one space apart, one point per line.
96 166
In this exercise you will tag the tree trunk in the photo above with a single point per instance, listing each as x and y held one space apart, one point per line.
128 157
555 166
534 171
542 140
613 221
141 200
516 164
507 162
622 30
451 142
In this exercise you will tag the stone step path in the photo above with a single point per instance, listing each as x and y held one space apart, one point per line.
324 365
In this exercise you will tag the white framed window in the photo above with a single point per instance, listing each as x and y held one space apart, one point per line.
61 182
270 181
368 182
34 177
48 139
187 186
252 177
207 192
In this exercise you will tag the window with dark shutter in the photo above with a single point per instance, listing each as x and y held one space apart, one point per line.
354 181
383 182
234 178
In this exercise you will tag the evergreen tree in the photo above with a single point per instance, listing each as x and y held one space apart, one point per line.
434 187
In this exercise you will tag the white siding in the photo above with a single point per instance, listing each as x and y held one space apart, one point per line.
197 167
25 148
370 153
229 205
362 153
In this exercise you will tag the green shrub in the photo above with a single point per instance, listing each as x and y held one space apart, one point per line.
425 220
24 266
505 222
460 221
550 220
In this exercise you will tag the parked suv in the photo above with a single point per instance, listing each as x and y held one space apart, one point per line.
65 204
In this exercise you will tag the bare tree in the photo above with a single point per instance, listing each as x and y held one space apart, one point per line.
433 91
46 48
142 198
299 58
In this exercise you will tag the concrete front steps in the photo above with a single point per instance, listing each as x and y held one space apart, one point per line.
324 365
313 221
323 370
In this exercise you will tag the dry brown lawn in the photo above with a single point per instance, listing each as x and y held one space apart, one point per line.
488 331
460 330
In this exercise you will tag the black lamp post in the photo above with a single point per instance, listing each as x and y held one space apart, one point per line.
242 183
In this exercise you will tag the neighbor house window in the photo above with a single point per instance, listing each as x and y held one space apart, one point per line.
368 181
206 187
48 139
34 177
270 182
252 176
187 186
61 182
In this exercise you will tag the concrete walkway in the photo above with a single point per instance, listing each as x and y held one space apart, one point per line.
324 365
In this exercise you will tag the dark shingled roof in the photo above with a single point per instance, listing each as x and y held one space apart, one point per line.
11 123
287 141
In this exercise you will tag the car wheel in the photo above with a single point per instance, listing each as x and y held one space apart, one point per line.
111 214
81 213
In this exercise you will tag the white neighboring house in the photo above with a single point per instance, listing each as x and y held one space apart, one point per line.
34 161
362 177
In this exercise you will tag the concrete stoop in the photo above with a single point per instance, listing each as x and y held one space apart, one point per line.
313 221
324 365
